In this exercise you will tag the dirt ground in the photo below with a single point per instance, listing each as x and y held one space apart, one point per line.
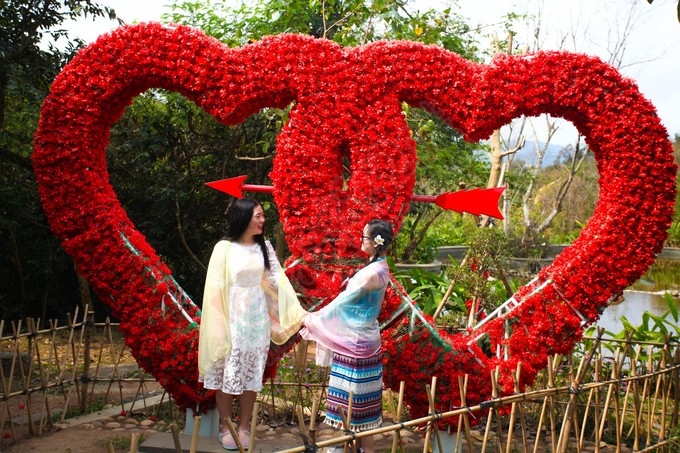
73 440
79 439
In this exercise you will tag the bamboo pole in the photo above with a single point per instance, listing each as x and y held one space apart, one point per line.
442 303
430 390
662 380
312 418
513 413
649 398
570 416
675 384
598 414
175 437
234 434
462 387
134 443
617 407
253 426
301 422
88 326
529 396
195 434
43 370
520 412
428 431
349 443
548 401
610 390
586 411
348 422
396 439
490 414
632 387
7 387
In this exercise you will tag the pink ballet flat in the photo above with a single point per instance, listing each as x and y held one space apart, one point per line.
244 437
227 441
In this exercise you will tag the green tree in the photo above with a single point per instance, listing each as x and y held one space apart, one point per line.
36 276
163 151
164 148
444 157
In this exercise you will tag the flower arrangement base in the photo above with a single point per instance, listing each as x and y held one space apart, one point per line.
448 441
209 426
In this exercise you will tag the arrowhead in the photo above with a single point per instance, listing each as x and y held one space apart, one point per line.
474 201
231 186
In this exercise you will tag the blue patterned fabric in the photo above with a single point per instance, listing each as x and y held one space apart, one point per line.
362 377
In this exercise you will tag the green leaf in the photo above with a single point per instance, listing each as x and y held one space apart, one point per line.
672 306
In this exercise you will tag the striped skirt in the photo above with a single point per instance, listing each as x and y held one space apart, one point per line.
362 377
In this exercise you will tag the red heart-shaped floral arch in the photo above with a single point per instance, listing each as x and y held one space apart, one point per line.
348 105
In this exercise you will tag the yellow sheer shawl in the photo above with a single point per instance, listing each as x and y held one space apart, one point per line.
284 309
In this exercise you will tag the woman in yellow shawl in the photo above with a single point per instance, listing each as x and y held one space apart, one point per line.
244 290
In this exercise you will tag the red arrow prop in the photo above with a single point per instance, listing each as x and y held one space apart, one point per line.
473 201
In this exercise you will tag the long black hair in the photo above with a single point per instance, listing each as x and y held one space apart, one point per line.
383 229
238 218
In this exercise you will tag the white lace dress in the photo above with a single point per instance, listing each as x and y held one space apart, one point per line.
243 368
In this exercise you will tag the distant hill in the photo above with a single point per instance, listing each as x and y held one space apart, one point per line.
528 154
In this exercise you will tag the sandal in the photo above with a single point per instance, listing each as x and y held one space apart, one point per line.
227 441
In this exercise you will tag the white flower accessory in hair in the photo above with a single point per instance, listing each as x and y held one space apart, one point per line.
378 240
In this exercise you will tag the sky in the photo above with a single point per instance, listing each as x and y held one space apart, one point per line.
651 57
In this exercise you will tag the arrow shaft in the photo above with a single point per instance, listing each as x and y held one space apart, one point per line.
475 201
257 188
270 189
424 198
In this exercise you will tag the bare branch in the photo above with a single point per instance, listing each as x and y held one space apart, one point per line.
520 145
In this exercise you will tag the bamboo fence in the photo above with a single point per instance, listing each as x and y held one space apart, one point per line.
608 395
54 371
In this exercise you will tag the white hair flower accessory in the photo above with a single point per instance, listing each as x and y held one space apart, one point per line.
378 240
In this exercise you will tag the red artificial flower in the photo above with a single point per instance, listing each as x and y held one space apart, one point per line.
348 109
